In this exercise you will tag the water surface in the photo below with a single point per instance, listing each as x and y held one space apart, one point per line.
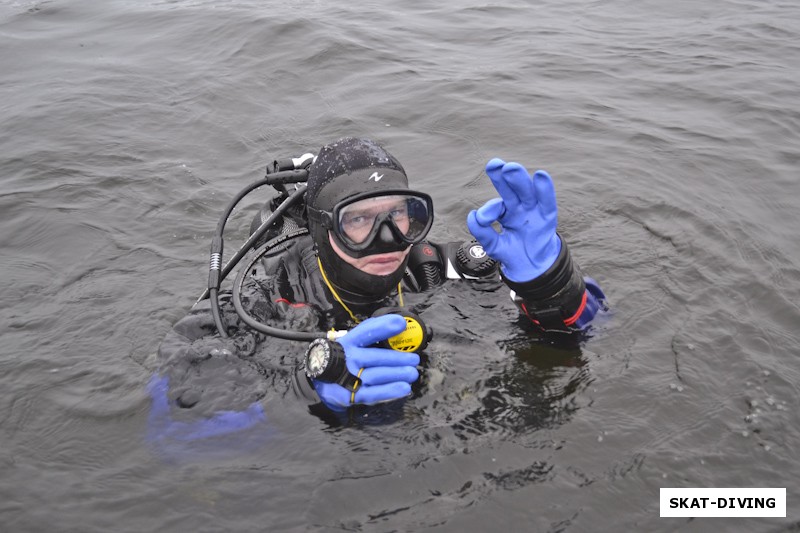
671 130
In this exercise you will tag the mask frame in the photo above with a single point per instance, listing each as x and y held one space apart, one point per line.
384 236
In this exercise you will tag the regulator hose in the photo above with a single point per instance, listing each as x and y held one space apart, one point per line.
431 276
215 272
247 318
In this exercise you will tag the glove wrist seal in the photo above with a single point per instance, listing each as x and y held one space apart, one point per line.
548 283
554 298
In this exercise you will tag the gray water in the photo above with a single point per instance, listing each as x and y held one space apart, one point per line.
671 130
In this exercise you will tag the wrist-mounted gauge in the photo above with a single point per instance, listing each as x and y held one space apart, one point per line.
325 361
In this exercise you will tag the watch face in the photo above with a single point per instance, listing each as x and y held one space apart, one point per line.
316 359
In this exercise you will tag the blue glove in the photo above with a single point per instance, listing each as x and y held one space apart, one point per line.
527 244
387 374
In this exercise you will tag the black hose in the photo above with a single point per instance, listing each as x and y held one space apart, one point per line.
252 322
215 313
256 235
431 276
215 276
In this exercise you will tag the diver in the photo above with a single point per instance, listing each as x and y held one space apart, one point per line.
363 248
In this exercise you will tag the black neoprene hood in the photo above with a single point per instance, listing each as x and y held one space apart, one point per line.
348 167
343 169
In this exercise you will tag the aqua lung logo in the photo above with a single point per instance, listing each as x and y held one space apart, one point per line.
477 251
375 176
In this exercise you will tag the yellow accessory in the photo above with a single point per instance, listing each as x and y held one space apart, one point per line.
410 339
356 385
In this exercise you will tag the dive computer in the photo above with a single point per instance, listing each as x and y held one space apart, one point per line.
325 361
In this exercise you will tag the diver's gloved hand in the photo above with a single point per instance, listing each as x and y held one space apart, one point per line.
527 244
385 374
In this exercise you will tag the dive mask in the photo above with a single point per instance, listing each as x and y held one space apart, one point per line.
377 221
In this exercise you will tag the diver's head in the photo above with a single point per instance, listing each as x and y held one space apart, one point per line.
363 217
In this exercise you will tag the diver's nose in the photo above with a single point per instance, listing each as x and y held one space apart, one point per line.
386 235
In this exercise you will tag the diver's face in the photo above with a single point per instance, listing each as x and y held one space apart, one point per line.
357 220
377 264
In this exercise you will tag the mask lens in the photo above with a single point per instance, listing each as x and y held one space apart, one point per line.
418 217
409 214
